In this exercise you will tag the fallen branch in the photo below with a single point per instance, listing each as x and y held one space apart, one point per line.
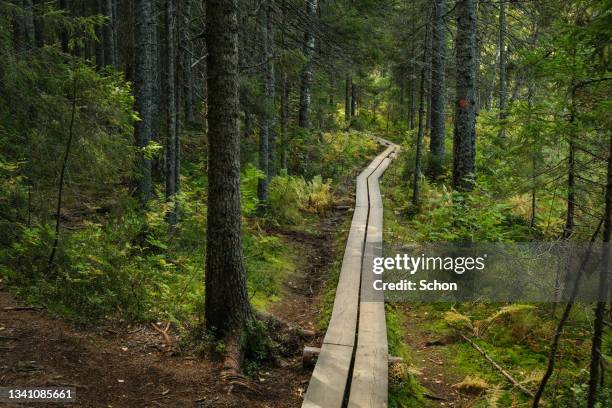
7 338
21 308
434 397
163 332
521 387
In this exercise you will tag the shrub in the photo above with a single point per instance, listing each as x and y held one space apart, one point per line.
291 196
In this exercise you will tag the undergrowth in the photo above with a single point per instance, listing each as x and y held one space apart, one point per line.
516 336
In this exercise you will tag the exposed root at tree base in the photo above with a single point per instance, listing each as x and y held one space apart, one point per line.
231 373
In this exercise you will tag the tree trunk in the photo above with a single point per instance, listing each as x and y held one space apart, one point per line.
347 97
24 25
145 76
284 102
428 73
464 140
271 95
171 114
503 85
28 16
309 49
534 162
64 36
411 103
600 309
438 87
60 188
39 28
108 33
419 145
353 99
185 53
267 118
284 117
568 229
227 305
100 63
157 100
554 346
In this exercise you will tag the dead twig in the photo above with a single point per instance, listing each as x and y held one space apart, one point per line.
434 397
163 332
507 375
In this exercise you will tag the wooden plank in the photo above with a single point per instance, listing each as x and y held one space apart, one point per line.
329 378
343 322
373 248
369 383
361 195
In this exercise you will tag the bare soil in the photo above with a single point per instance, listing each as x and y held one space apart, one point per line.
136 367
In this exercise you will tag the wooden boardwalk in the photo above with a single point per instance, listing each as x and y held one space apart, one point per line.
351 369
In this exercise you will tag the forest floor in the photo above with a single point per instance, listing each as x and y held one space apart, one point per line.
431 364
135 366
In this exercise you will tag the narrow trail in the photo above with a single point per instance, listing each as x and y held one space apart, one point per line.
134 367
352 367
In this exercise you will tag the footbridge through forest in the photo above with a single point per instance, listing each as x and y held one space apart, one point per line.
352 366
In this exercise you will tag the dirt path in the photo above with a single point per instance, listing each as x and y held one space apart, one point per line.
134 367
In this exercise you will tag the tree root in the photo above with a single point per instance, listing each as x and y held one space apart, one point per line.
231 373
282 331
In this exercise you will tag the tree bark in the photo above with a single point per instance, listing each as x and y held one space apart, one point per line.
503 85
438 87
60 188
568 229
416 199
64 36
271 96
411 103
39 27
428 62
108 33
267 116
284 99
100 63
464 140
353 99
306 80
534 162
347 97
284 119
145 92
600 309
227 305
171 113
186 61
28 16
24 25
